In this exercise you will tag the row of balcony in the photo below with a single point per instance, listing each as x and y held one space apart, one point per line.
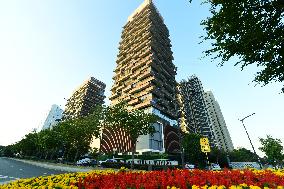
129 40
140 87
138 30
130 26
134 50
118 86
133 57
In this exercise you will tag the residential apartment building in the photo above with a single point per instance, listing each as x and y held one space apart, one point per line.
193 114
85 99
221 133
145 79
53 117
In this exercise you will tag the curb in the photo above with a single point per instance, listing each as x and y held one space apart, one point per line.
54 166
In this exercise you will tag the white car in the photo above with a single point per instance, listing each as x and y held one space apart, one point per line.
215 167
108 160
84 161
189 166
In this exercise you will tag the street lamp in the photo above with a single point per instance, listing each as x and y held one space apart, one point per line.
181 148
242 120
180 136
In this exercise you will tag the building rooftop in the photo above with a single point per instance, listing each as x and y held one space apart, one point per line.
140 8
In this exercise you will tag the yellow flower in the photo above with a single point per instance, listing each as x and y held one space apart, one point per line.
195 187
254 187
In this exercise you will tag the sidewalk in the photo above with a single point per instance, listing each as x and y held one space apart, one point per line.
55 166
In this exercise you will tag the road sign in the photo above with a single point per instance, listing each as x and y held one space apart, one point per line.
205 149
204 141
204 144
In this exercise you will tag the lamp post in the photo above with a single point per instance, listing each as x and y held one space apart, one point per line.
181 148
242 120
181 141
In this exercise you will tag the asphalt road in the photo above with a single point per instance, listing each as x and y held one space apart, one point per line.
12 170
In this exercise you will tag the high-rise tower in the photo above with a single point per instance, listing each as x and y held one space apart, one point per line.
85 98
194 117
145 74
53 117
221 133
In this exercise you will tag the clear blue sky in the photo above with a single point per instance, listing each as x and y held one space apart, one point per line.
49 47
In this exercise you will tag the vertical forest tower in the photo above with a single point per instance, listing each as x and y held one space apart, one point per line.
145 78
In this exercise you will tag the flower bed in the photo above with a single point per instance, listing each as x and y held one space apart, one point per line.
187 179
182 179
70 180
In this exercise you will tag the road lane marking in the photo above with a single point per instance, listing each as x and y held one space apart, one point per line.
20 169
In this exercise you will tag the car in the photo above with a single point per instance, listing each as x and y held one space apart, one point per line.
60 160
84 162
111 160
120 160
189 166
215 167
107 161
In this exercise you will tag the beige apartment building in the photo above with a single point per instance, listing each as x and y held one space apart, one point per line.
194 116
85 98
219 127
144 77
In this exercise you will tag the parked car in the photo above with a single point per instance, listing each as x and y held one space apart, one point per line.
189 166
215 167
84 162
108 161
60 160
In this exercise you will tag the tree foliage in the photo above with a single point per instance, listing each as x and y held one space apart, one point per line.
69 138
243 155
272 148
192 150
2 148
133 122
252 30
218 156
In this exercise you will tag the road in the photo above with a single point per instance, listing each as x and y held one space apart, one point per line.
12 170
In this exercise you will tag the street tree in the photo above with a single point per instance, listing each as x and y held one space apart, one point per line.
218 156
192 150
9 151
78 133
28 145
243 155
133 122
82 138
252 30
48 143
2 151
65 136
273 149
